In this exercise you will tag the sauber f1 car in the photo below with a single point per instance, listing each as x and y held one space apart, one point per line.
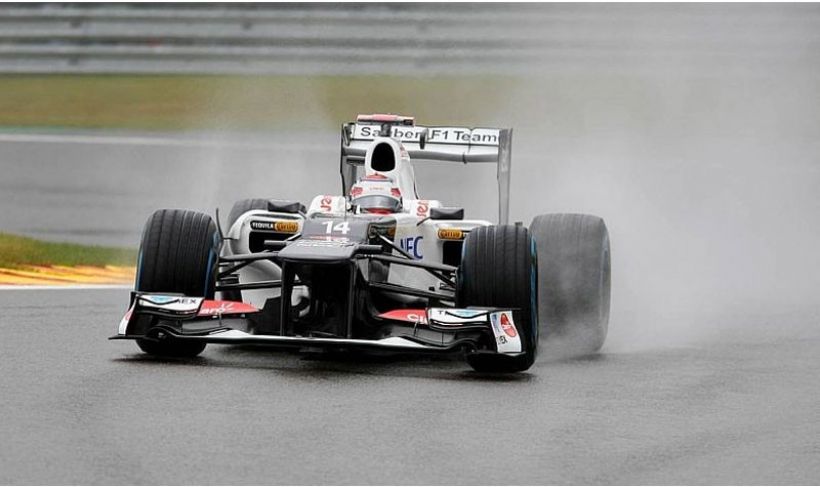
376 267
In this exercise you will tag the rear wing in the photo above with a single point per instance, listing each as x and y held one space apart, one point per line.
432 144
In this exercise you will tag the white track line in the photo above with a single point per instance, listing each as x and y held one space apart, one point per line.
78 287
145 140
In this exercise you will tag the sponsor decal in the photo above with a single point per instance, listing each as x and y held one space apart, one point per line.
450 233
507 339
422 208
435 135
409 315
507 325
257 225
172 304
326 203
412 245
286 226
455 135
157 299
465 313
356 191
281 226
401 133
215 307
451 316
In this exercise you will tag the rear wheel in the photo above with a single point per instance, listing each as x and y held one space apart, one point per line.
499 270
243 206
574 271
178 254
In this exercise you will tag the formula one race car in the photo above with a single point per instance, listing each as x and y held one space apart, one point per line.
377 267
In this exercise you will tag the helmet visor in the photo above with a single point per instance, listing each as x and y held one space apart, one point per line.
378 202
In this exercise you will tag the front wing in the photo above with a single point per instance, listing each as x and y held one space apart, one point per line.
176 317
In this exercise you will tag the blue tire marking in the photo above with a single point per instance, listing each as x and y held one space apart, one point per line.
211 254
533 290
139 269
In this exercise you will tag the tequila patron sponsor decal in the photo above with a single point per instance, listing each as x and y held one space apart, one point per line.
281 226
450 233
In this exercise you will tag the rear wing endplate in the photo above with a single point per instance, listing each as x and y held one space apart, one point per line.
435 144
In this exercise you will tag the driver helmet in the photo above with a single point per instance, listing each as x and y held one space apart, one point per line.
376 193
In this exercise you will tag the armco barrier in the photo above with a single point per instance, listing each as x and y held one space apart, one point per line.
426 39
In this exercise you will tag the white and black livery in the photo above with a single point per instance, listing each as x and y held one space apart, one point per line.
378 267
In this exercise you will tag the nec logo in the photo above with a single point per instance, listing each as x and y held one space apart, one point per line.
412 245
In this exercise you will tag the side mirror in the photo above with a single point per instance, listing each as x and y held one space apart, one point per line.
446 213
286 206
423 139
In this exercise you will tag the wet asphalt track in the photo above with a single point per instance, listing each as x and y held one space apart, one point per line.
76 408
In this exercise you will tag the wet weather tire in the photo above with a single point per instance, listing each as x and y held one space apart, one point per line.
171 348
179 254
574 288
499 269
243 206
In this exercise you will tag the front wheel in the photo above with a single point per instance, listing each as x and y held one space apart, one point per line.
179 254
499 269
171 348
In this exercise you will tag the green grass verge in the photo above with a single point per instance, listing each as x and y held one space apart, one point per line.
561 105
240 102
17 251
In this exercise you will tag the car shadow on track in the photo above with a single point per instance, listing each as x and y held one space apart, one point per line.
328 364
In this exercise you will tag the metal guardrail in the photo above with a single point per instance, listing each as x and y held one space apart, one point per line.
428 39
